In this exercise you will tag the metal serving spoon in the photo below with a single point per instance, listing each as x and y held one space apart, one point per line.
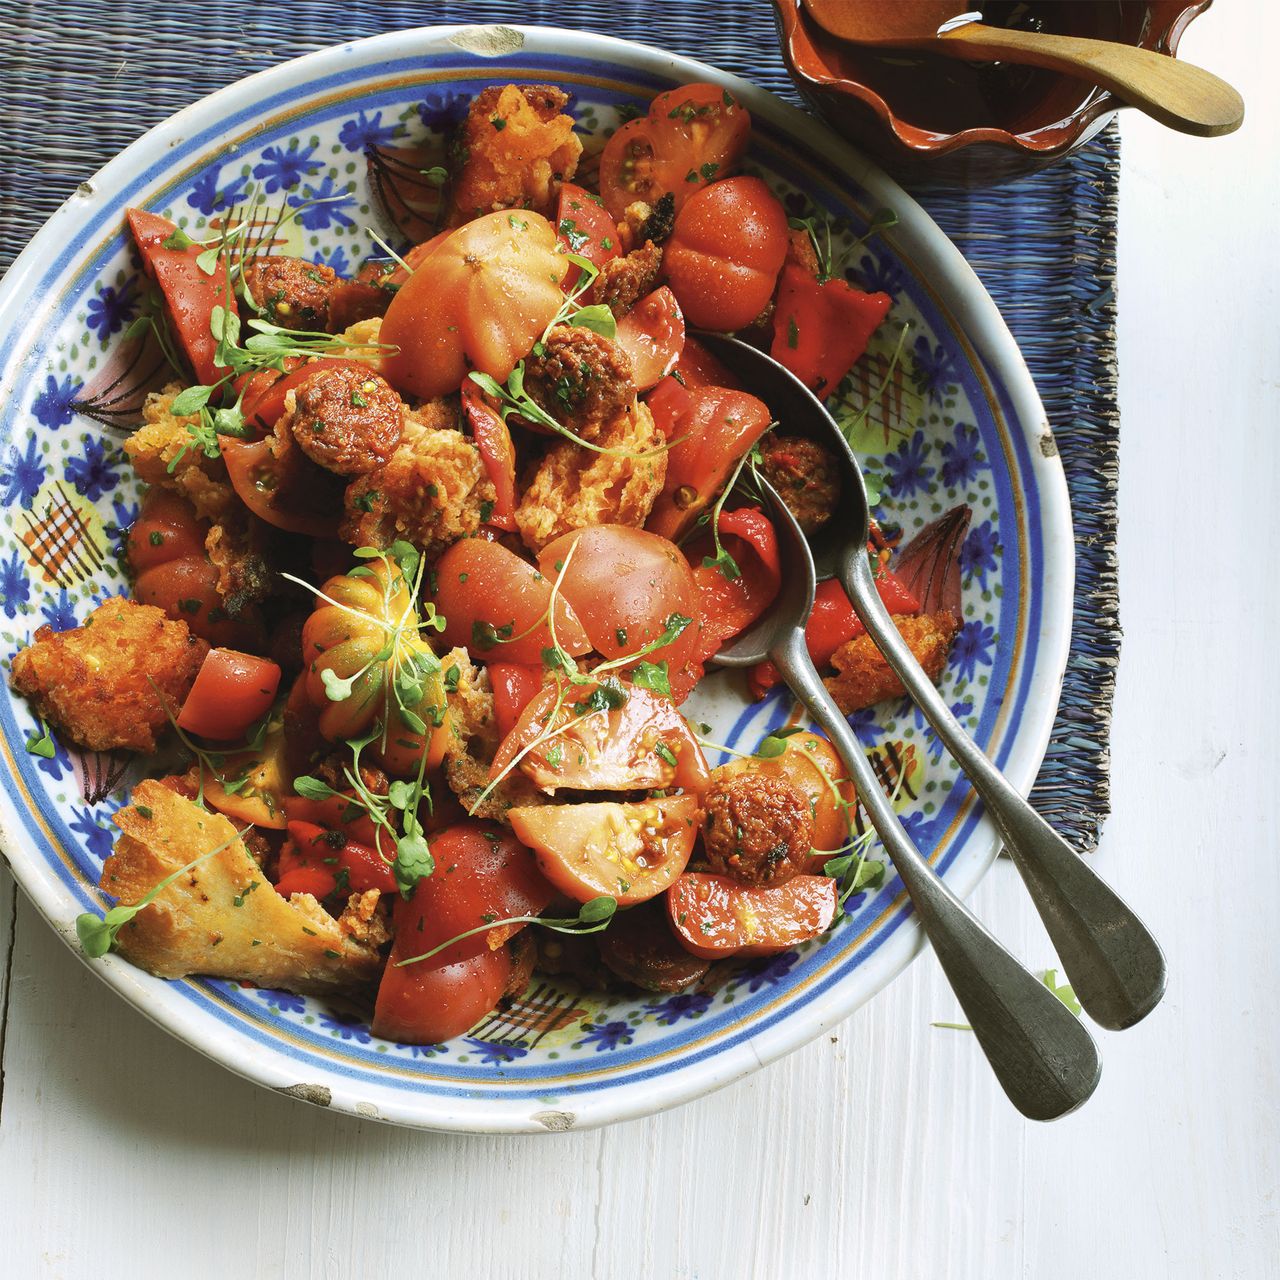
1041 1053
1116 967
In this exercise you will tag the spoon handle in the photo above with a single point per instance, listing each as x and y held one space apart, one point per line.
1116 967
1179 95
1042 1055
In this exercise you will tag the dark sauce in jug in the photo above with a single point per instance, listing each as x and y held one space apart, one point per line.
946 95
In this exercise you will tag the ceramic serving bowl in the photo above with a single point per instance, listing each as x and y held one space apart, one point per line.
926 116
959 422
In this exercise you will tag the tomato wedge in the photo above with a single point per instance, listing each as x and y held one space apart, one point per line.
628 587
496 605
230 692
585 229
722 426
166 529
258 780
515 685
483 874
715 916
604 737
627 850
691 136
189 294
428 1004
497 453
652 335
282 486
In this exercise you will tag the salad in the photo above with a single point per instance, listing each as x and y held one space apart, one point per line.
431 557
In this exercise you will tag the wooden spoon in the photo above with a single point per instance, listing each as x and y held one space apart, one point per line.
1177 94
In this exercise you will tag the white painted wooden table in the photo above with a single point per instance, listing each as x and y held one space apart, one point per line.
885 1149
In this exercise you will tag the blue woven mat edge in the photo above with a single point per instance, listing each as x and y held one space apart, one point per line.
80 79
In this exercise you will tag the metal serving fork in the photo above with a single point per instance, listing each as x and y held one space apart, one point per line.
1116 967
1041 1053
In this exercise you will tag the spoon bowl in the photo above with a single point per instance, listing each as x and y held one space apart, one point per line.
1116 967
1043 1057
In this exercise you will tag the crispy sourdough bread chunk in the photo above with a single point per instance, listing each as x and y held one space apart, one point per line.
223 917
575 488
474 743
163 441
863 677
105 684
515 148
431 491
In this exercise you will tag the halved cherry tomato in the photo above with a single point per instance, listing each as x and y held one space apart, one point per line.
809 763
496 604
230 692
189 294
584 229
715 916
482 874
627 850
612 737
652 335
257 778
427 1004
187 590
479 300
497 453
515 685
723 425
726 251
317 848
282 486
691 136
628 587
166 529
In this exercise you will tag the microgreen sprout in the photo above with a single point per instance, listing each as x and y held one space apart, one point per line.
593 917
514 399
820 230
850 426
98 934
722 560
42 743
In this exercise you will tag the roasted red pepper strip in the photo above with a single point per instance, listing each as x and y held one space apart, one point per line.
189 294
821 328
833 623
515 685
338 812
497 453
315 849
729 607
